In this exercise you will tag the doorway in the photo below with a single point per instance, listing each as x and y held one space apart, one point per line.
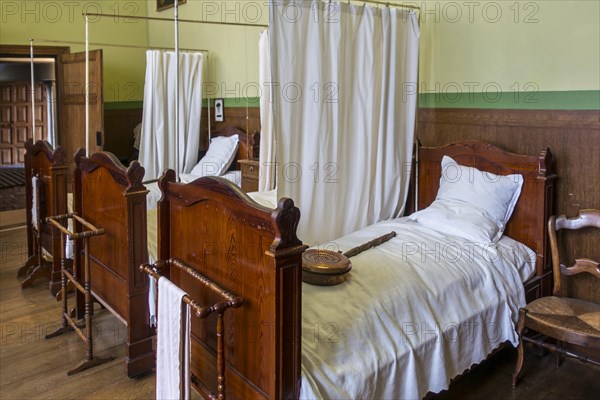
16 125
16 114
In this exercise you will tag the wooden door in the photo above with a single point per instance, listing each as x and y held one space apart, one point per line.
15 119
71 82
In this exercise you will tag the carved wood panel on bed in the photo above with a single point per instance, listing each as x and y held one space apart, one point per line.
250 250
49 166
113 198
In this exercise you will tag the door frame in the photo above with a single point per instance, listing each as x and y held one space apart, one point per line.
11 50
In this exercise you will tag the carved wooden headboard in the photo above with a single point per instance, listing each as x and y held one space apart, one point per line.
243 149
528 223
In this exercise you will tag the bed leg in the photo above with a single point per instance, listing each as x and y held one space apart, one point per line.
520 350
139 353
39 271
29 264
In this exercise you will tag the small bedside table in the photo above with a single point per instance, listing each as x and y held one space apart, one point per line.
249 175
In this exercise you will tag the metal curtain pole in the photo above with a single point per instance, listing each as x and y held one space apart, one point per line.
32 88
176 22
87 86
208 106
194 21
127 46
388 4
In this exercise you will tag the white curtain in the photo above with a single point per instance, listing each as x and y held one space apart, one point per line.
158 143
344 112
266 179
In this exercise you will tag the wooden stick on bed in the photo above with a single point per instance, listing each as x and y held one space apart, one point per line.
372 243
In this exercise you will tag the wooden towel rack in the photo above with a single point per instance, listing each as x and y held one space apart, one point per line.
68 324
228 301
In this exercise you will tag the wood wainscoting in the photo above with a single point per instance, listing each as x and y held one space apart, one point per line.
572 136
233 116
119 124
118 130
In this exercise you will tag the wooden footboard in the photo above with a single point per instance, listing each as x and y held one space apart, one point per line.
113 198
49 166
250 250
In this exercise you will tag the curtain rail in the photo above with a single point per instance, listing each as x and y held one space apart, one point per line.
128 46
195 21
388 4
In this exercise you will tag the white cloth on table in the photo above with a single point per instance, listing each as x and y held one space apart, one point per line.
173 343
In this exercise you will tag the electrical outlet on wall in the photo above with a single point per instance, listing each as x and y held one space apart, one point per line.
219 110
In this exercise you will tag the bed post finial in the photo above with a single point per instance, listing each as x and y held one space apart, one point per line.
59 155
28 145
80 155
545 162
135 176
286 218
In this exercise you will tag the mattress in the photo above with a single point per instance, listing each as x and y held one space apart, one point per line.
422 308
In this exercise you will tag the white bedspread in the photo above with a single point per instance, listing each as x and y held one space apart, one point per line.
267 198
414 313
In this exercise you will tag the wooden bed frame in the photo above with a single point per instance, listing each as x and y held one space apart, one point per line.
528 223
253 252
49 166
112 197
244 146
249 250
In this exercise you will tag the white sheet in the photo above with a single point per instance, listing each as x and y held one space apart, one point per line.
414 313
155 194
267 199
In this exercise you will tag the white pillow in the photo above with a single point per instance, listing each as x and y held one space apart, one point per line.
460 219
221 153
494 194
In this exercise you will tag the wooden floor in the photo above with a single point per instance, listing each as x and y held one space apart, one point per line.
34 368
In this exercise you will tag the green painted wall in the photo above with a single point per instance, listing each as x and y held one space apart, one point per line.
489 54
510 54
232 59
124 68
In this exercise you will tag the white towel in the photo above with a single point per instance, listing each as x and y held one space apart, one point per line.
152 298
173 343
69 245
34 200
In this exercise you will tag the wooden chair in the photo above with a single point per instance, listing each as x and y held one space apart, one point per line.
564 319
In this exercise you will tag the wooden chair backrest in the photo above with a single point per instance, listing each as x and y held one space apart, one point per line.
589 218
